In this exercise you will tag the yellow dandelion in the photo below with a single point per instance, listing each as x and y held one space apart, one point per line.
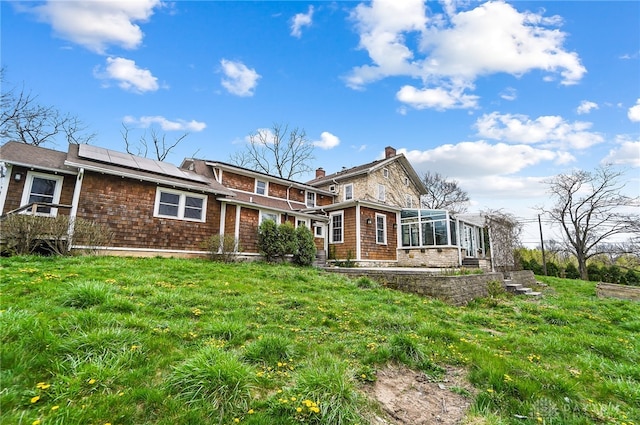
236 420
298 409
91 381
251 411
36 422
293 399
315 409
35 399
54 408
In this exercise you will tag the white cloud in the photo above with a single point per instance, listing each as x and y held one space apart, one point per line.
457 48
586 107
128 76
548 131
475 159
165 124
301 20
327 141
437 98
97 24
238 78
509 94
634 112
628 153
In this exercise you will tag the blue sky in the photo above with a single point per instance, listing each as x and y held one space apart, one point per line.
496 95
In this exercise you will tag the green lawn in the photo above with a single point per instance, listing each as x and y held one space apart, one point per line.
101 340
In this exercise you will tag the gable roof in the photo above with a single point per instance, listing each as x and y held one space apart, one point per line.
370 167
261 175
29 156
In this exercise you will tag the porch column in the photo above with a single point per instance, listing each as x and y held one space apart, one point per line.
358 234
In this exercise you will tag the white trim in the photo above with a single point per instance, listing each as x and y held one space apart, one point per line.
4 184
266 187
262 212
358 233
57 191
74 205
181 204
237 225
353 195
130 249
385 173
223 217
306 198
384 228
331 215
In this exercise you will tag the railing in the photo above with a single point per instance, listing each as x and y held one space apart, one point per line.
34 208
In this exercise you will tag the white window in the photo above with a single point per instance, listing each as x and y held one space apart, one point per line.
348 192
385 173
337 227
311 199
408 201
261 187
42 188
381 229
406 181
266 215
180 205
319 231
382 190
302 223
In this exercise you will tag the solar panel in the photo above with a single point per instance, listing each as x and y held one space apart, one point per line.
122 159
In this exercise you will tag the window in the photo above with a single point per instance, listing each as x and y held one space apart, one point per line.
261 187
385 173
265 215
180 205
337 224
381 229
319 232
302 223
406 181
348 192
42 188
427 228
382 192
311 199
408 201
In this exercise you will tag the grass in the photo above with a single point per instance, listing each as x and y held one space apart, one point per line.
97 340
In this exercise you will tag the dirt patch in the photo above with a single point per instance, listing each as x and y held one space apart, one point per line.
409 397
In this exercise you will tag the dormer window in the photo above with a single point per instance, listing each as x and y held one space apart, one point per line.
311 199
261 187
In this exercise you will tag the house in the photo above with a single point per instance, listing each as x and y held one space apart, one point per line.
369 214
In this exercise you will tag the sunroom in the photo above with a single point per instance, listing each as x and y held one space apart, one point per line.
436 238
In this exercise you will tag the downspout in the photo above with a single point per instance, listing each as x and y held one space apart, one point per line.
74 207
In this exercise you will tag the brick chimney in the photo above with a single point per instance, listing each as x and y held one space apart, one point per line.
320 173
389 152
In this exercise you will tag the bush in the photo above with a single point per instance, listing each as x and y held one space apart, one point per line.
305 252
269 243
571 271
28 234
223 247
287 236
594 272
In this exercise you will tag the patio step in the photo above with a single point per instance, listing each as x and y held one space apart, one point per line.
519 289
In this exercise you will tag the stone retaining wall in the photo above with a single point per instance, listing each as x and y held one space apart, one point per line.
624 292
523 277
456 290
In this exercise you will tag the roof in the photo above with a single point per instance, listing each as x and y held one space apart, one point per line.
265 176
350 173
25 155
122 164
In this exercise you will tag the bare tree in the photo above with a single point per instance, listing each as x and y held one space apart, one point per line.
590 208
443 194
277 151
25 120
504 234
158 143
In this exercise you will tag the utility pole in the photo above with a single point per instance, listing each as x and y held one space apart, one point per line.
544 262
